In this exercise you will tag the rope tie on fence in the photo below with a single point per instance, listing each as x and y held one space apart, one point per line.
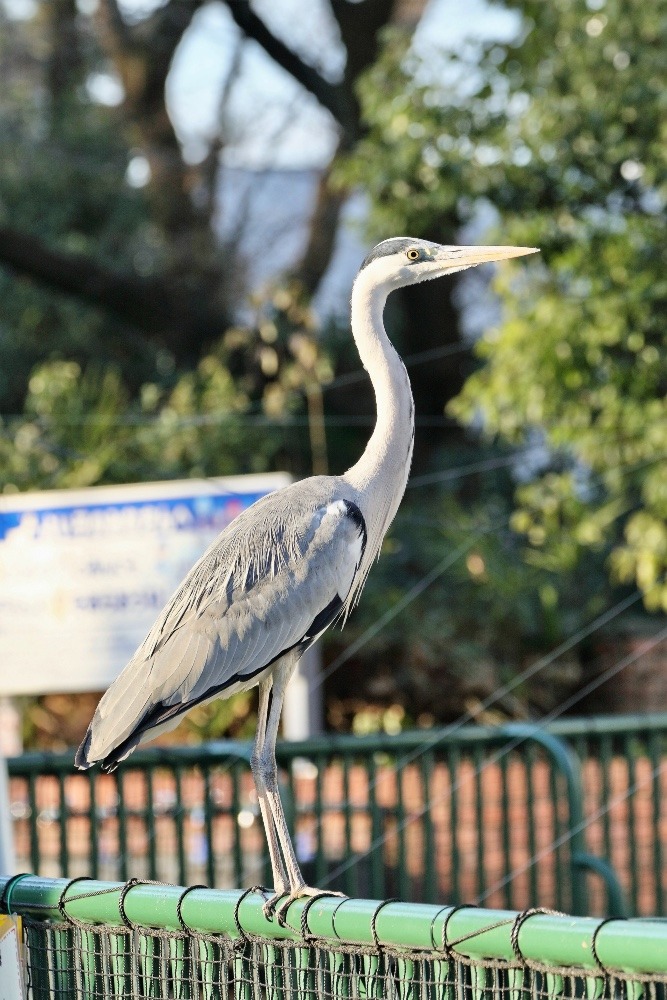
61 899
5 900
304 929
246 892
124 889
446 945
376 913
179 904
333 919
305 935
130 884
594 947
473 934
518 922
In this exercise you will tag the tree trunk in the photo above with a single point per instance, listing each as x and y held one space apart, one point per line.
65 63
142 56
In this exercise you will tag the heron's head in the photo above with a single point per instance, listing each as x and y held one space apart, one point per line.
405 261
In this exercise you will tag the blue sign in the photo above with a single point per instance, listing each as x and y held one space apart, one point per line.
84 573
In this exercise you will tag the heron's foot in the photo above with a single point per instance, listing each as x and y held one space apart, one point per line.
275 895
269 907
279 905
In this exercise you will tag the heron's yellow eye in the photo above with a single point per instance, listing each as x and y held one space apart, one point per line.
413 254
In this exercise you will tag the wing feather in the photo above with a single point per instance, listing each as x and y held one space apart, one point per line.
268 585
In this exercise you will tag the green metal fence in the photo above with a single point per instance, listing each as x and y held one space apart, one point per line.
509 816
105 940
624 790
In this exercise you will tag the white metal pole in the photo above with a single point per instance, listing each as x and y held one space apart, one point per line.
7 857
304 706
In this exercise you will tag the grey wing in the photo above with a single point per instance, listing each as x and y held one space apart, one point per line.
261 591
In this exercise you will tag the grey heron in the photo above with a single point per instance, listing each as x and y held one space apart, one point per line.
284 570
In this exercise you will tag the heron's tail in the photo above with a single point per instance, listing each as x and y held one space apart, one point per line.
103 744
81 760
111 760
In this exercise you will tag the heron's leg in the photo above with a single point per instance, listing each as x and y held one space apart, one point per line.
277 866
267 765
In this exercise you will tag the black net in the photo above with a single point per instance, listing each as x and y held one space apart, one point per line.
66 960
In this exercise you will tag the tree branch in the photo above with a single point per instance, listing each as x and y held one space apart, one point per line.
182 321
360 25
143 56
333 97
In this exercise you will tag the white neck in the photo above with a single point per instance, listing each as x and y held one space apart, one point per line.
381 474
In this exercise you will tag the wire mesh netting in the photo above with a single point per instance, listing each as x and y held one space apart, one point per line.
86 961
93 940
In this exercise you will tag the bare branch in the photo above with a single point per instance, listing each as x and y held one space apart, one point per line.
360 25
143 56
334 97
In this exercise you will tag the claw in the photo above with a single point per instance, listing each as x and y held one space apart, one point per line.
269 907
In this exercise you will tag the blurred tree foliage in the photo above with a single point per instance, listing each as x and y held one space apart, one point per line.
61 176
119 301
471 615
79 428
562 131
120 358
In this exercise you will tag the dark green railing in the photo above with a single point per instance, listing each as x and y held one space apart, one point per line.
507 816
101 941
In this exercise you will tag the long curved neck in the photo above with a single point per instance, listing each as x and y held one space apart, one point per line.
381 474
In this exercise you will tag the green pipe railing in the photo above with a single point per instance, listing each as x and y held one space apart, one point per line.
555 942
409 814
622 725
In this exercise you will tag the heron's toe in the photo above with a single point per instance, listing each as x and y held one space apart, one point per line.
269 907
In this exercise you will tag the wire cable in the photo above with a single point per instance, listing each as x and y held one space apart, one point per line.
589 820
501 692
348 378
485 465
432 354
415 591
499 755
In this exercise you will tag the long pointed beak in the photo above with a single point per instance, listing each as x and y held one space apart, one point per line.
469 256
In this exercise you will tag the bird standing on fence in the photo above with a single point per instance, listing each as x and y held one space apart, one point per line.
284 570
